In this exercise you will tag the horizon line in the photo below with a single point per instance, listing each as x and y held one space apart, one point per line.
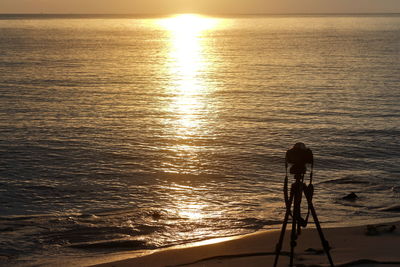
206 13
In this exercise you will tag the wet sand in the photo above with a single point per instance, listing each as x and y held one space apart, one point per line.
367 246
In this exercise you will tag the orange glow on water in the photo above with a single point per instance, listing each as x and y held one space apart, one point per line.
187 64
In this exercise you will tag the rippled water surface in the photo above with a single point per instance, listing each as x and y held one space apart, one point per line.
138 133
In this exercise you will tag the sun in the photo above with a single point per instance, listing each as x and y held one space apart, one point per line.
188 24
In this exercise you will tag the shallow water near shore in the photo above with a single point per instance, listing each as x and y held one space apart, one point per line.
121 134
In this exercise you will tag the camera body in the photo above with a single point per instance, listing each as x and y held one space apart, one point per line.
298 157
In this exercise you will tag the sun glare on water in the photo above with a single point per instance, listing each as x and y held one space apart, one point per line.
187 59
187 65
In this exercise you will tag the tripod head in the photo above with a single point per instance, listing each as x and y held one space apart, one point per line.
298 157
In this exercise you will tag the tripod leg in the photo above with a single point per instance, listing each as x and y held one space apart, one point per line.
279 245
288 202
324 242
293 243
297 193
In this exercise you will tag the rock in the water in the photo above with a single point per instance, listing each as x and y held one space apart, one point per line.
351 196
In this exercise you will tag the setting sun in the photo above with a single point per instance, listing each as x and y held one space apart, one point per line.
188 23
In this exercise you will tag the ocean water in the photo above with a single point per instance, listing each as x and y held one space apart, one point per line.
135 133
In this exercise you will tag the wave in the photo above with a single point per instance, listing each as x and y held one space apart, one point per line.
347 180
114 245
395 208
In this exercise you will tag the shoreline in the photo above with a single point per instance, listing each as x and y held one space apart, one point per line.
365 245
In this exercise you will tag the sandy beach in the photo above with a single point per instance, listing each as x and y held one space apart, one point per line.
369 245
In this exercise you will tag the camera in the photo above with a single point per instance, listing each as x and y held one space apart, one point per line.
298 157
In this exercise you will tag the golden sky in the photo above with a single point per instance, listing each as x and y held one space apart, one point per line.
199 6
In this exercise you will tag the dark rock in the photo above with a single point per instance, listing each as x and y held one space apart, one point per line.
314 251
156 215
7 229
351 196
380 229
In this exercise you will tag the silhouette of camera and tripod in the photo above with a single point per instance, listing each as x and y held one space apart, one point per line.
297 158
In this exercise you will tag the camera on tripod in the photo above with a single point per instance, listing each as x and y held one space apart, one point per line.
299 156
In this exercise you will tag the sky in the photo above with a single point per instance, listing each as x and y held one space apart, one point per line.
199 6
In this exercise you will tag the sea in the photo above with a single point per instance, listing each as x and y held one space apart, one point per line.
126 134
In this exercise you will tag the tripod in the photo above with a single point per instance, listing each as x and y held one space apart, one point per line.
296 191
